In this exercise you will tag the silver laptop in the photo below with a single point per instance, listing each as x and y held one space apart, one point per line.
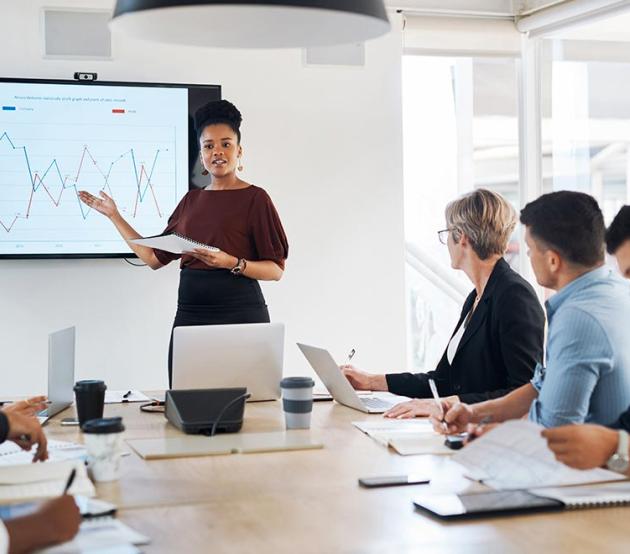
216 356
60 372
337 384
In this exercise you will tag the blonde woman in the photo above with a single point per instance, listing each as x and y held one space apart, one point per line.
499 336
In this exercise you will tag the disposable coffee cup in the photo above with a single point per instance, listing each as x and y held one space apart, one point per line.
90 399
103 442
297 401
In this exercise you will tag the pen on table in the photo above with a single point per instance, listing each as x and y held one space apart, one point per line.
70 480
125 397
436 397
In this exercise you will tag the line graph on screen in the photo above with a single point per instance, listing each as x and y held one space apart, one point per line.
42 170
52 178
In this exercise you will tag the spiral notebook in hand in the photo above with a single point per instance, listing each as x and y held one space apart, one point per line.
498 503
174 243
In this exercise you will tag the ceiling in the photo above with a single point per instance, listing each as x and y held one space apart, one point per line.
497 8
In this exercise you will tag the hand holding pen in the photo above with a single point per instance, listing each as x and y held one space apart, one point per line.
70 480
440 412
361 380
452 417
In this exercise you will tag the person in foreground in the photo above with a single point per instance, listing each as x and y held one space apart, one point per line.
499 336
55 521
588 446
587 374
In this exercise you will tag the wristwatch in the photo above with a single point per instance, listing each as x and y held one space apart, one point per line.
239 267
619 461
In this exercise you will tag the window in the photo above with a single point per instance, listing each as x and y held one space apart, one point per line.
460 131
586 120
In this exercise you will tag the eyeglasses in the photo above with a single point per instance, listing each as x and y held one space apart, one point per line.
443 234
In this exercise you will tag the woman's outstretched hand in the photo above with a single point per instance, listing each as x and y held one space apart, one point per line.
104 205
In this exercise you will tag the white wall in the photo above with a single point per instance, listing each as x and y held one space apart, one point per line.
325 143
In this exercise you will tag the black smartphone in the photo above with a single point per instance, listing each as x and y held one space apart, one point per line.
393 481
455 442
69 421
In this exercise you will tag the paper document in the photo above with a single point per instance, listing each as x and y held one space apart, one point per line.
514 455
425 443
103 535
120 396
605 494
26 482
405 436
172 243
12 454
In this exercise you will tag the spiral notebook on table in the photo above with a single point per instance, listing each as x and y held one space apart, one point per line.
177 244
499 503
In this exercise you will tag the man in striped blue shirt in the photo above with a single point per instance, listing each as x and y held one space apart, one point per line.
586 377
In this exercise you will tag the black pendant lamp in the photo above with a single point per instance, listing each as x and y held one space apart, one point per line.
252 23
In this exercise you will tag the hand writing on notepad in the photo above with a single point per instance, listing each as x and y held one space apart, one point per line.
457 416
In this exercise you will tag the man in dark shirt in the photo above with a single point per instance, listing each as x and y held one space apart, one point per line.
57 520
588 446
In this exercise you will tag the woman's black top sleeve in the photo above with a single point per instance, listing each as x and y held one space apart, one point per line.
498 351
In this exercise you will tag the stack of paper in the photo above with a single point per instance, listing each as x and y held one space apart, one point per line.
514 455
27 482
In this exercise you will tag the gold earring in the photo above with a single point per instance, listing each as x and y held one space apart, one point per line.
240 165
204 171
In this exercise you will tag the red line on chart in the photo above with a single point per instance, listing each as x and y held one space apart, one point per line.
143 180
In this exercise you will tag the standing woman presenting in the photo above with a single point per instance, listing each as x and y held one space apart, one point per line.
235 216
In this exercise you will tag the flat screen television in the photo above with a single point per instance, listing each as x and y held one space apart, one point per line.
135 141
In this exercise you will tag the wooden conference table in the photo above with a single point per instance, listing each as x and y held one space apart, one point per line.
309 501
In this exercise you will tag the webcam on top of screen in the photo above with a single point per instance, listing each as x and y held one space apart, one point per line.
79 76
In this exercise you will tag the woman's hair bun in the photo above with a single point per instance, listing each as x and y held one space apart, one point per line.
219 111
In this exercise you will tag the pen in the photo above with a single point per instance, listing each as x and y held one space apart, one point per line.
126 396
436 397
70 480
350 355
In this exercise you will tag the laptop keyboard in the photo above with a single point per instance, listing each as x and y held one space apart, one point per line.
373 403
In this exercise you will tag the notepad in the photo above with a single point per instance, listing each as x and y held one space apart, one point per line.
174 243
384 431
12 454
101 535
590 496
27 482
514 455
424 443
231 443
123 396
509 502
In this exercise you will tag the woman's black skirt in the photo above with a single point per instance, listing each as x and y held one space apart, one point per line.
216 297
